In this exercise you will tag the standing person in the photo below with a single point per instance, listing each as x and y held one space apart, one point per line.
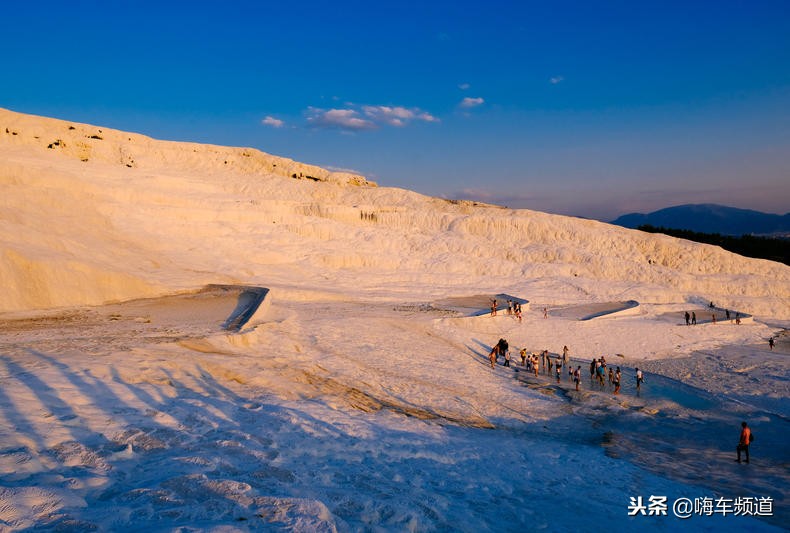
507 357
565 355
559 370
693 318
744 441
688 318
771 343
535 363
617 377
494 355
548 363
493 307
523 354
727 314
611 376
592 369
567 361
713 318
545 312
640 378
509 307
577 376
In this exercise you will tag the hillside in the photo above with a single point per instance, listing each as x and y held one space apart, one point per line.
710 218
91 215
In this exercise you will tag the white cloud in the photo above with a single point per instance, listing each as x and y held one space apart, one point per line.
366 117
468 103
273 122
344 119
346 170
464 86
396 116
556 79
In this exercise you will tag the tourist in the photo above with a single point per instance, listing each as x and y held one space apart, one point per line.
693 318
771 343
577 376
744 441
617 377
688 318
640 378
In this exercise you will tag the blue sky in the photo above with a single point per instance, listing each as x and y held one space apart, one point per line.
587 108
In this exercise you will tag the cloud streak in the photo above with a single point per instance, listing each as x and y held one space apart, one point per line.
273 122
469 102
344 119
366 117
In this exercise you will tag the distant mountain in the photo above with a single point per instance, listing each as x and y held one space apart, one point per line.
710 218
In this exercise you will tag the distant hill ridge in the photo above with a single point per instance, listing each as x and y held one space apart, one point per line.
710 218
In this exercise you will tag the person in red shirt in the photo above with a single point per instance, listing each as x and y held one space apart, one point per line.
745 440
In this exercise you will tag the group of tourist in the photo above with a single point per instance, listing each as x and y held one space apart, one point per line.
513 308
599 373
691 319
553 366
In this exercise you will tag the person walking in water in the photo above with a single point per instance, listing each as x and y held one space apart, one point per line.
577 376
744 441
640 378
617 377
771 343
693 318
688 318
